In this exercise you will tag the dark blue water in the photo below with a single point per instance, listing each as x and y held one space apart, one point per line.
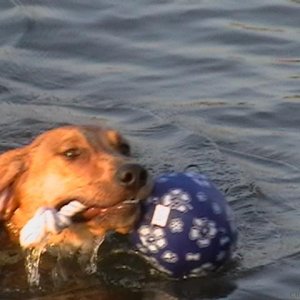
213 83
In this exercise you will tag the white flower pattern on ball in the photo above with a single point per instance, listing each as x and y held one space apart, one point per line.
216 208
176 225
199 179
201 182
203 231
153 238
178 200
169 257
192 256
202 197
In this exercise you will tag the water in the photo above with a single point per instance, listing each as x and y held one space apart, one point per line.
91 266
32 262
213 83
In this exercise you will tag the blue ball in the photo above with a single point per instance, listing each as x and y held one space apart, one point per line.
187 228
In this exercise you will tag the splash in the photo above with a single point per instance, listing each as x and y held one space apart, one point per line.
91 267
32 261
33 258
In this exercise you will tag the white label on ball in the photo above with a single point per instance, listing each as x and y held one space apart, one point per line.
160 215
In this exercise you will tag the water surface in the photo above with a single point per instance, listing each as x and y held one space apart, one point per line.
213 83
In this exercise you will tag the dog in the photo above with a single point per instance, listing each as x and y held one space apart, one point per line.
89 164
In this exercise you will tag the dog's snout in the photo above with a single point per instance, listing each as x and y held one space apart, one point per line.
132 175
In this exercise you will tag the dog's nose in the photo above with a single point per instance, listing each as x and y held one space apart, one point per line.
132 175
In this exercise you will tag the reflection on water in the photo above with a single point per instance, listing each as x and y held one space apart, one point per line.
210 83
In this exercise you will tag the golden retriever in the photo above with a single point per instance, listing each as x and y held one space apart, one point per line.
85 163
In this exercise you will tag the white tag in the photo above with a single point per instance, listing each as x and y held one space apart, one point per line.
160 215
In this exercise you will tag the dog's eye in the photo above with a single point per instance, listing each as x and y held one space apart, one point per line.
72 153
124 149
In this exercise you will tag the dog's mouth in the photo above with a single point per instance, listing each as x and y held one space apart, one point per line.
95 211
92 210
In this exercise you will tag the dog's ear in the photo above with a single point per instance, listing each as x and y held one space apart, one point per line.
12 165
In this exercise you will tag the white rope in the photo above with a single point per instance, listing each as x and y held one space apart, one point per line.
48 221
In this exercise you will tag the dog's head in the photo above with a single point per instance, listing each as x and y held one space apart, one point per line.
91 165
